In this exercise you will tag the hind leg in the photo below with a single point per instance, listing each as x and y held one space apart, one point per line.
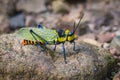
74 47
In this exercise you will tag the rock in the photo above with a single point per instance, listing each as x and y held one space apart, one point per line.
117 76
115 42
31 6
92 42
4 24
106 37
59 6
105 45
87 36
29 62
7 6
17 21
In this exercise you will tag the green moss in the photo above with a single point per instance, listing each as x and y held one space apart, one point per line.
110 60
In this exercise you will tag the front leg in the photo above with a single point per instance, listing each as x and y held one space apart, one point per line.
64 52
54 48
74 47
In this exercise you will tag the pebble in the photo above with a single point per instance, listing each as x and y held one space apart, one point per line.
105 37
92 42
87 36
59 6
105 45
118 64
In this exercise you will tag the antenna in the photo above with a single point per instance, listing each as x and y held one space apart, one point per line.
75 28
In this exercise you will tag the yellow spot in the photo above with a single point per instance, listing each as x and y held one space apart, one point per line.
56 40
67 31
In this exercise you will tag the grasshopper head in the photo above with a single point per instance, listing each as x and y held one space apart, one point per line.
70 35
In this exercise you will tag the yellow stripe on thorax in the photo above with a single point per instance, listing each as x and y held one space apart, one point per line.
60 39
63 39
71 38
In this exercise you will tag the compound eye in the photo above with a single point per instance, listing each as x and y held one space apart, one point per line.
70 33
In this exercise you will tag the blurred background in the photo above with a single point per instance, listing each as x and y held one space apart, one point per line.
99 15
101 21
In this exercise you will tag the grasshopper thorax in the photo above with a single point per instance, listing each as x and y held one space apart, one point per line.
61 33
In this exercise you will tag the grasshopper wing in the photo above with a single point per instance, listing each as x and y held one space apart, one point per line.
42 35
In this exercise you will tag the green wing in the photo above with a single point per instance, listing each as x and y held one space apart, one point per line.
44 34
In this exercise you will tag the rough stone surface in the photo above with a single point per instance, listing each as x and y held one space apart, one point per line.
30 63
